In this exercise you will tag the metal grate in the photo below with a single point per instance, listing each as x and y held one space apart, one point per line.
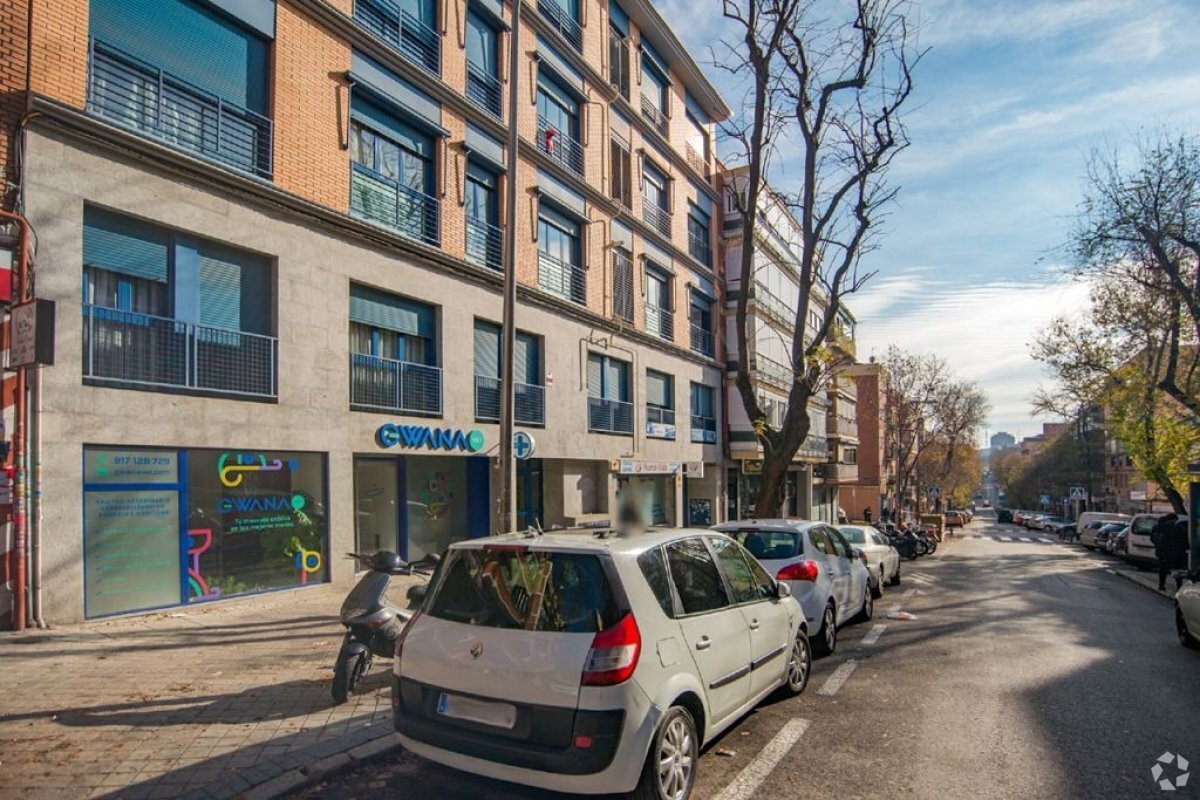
656 217
657 119
562 21
560 146
128 349
660 322
389 203
529 401
618 62
704 429
609 416
568 281
701 340
623 285
384 384
484 244
416 41
483 90
144 98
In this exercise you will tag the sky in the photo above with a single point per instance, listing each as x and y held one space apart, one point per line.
1010 100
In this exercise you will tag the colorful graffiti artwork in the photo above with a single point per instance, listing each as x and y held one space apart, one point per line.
199 540
231 467
437 495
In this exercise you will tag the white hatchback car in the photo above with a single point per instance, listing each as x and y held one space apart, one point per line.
826 576
1187 612
592 662
883 560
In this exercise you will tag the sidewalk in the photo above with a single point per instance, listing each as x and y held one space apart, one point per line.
203 702
1147 579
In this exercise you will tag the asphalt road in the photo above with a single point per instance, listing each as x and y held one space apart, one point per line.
1029 672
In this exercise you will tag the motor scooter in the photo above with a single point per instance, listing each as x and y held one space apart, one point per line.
372 623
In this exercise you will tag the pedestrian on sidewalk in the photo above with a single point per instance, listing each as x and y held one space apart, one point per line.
1170 537
867 514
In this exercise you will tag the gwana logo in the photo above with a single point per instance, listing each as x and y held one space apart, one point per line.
274 502
415 436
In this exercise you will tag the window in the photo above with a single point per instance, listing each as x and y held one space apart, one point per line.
655 572
623 284
820 541
696 147
483 84
850 455
700 323
178 72
391 177
563 15
704 421
695 576
560 271
393 354
841 546
660 321
482 211
558 123
743 580
618 50
654 95
769 544
409 26
529 406
656 211
609 406
699 239
621 169
660 405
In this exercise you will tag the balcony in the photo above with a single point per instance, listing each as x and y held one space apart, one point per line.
699 248
529 401
391 204
814 446
660 422
656 217
701 340
130 350
383 384
143 98
559 146
695 159
560 278
657 119
773 371
484 242
610 416
704 429
618 62
838 473
414 40
483 90
660 322
563 22
842 427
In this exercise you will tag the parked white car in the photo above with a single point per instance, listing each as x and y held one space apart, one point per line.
591 662
883 560
1187 613
828 579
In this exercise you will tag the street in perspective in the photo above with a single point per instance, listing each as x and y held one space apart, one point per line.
658 399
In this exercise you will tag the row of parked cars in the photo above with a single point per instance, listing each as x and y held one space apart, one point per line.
602 661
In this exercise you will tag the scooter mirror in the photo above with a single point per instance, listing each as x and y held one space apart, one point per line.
417 592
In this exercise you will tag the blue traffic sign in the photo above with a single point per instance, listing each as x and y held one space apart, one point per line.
523 445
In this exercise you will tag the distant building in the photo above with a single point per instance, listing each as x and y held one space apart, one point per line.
1002 440
873 485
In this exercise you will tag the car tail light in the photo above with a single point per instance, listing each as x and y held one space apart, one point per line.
614 654
800 571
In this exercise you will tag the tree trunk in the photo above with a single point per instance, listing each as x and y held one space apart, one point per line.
773 491
1177 501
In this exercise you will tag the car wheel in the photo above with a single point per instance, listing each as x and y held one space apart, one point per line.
877 588
868 608
1185 638
895 581
799 667
826 641
670 769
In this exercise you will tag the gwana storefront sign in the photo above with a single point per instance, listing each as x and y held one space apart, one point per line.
416 437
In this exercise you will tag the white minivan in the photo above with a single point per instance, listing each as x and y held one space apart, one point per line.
1093 516
1140 547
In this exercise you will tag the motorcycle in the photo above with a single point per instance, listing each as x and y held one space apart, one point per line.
372 623
904 542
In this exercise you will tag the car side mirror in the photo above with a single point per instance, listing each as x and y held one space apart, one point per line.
782 590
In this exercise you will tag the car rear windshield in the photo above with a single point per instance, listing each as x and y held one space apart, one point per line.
523 589
854 535
767 545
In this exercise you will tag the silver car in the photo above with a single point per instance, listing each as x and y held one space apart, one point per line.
827 576
883 560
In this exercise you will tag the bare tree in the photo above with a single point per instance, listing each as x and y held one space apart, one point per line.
825 85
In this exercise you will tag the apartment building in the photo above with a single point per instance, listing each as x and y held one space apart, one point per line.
874 485
774 289
840 471
273 232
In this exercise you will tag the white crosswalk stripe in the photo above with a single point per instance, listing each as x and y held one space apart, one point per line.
1044 539
1025 539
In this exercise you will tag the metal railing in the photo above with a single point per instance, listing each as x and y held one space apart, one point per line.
560 146
568 281
772 370
655 117
384 384
618 62
484 242
701 339
699 248
529 401
704 429
125 348
660 322
621 166
623 285
774 307
609 416
563 22
416 41
656 217
817 446
695 159
660 422
389 203
483 89
140 96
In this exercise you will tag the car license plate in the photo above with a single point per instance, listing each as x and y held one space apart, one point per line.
498 715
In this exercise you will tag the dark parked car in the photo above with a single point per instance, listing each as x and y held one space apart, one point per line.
1004 515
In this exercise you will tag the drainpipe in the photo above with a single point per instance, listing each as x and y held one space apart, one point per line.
35 498
20 529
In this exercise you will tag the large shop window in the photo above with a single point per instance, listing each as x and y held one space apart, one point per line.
166 527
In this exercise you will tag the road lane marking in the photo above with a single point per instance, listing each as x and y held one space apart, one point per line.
838 678
1044 539
873 635
1026 539
746 784
1006 538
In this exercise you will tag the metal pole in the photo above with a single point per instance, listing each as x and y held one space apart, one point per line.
509 330
20 528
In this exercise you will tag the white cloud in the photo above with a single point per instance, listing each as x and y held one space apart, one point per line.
971 22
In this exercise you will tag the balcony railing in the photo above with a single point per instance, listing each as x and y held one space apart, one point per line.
393 205
704 429
559 145
695 159
483 90
832 471
529 401
774 307
610 416
701 339
660 322
562 20
773 371
618 62
656 217
416 41
139 96
484 244
699 248
660 422
814 446
622 285
655 117
384 384
568 281
123 348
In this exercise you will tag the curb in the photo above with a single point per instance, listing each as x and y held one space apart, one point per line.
296 779
1145 584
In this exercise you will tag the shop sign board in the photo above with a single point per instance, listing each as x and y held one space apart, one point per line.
32 334
523 445
416 437
1135 494
752 466
633 466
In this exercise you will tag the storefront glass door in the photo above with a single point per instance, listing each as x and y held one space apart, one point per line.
376 497
529 493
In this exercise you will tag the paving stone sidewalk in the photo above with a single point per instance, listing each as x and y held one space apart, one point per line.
204 702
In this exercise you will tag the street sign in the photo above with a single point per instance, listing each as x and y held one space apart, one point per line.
523 445
1078 493
1044 499
935 491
